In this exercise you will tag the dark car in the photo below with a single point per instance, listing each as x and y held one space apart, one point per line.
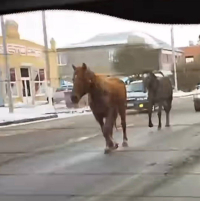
137 96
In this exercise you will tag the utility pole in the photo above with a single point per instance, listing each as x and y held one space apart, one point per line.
173 57
10 101
47 57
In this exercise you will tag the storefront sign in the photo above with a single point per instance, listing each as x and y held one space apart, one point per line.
22 50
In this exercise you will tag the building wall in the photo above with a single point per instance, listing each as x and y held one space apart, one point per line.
191 53
20 55
102 60
166 60
96 58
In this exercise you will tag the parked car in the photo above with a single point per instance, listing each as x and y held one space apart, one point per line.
128 80
137 96
196 98
58 94
67 84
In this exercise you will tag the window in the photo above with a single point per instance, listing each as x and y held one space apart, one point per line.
189 59
40 84
13 83
112 56
62 59
164 58
167 58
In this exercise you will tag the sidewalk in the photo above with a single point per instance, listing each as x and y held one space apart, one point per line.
41 111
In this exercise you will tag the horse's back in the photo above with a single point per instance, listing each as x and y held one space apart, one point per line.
165 87
114 90
117 87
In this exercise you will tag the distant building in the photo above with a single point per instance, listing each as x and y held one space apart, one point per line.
191 53
99 52
27 67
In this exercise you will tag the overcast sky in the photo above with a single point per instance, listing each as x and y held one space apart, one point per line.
68 27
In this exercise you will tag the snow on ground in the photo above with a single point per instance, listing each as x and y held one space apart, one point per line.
22 111
184 94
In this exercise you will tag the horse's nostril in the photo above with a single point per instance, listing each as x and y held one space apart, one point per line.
74 99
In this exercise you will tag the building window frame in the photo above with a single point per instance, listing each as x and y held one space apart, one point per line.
112 56
62 59
39 81
189 59
13 82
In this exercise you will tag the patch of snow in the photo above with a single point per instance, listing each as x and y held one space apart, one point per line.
27 112
183 94
67 115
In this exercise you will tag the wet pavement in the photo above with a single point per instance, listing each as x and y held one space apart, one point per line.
64 160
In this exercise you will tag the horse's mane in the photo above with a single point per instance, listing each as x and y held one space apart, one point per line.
101 82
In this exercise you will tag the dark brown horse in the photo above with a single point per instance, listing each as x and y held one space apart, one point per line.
107 99
160 92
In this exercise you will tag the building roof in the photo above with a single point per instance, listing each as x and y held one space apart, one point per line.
191 50
133 37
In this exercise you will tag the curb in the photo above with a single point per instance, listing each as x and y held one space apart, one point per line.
28 120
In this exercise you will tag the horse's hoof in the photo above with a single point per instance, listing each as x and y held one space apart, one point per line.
124 144
107 151
167 125
150 125
159 127
116 145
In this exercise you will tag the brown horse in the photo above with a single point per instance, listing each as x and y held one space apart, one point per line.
107 99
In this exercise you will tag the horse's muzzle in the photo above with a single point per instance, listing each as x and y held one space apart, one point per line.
74 99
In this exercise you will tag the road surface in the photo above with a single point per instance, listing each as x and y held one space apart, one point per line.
64 160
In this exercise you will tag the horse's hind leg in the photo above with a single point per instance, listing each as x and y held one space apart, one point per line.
150 114
122 113
167 108
159 116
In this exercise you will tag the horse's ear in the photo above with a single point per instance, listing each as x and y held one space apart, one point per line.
84 66
74 67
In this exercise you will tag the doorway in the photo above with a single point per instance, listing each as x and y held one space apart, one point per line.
26 86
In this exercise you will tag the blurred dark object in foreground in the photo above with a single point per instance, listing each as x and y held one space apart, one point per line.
137 10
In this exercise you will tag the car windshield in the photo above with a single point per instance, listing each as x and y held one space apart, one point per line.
135 87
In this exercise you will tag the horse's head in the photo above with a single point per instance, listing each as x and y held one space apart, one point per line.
150 81
82 79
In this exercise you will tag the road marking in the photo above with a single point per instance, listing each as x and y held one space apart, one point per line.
12 134
70 141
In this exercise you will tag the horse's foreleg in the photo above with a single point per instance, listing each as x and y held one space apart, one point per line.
150 114
159 116
108 129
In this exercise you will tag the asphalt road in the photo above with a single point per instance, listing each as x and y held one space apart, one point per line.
64 160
